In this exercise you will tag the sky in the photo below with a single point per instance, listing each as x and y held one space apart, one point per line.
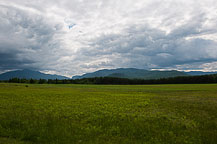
72 37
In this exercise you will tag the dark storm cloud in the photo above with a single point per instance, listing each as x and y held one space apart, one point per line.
12 61
26 39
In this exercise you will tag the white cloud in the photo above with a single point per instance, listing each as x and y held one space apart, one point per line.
73 37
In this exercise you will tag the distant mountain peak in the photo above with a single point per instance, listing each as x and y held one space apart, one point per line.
26 70
131 73
28 74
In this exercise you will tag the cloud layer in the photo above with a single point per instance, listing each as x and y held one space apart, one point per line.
73 37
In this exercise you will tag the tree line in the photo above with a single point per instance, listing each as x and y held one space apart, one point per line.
121 81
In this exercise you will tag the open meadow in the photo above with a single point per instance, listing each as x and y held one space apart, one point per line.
101 114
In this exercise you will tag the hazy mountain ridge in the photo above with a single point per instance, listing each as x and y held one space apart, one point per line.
197 73
28 74
132 73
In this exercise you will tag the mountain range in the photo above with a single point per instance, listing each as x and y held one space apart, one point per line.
197 73
28 74
130 73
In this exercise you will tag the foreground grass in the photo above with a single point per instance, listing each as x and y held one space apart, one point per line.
108 114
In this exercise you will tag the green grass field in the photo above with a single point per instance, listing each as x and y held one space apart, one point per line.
102 114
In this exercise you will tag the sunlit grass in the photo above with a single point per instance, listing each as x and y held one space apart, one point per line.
108 114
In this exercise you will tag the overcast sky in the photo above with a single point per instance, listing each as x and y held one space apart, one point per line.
72 37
